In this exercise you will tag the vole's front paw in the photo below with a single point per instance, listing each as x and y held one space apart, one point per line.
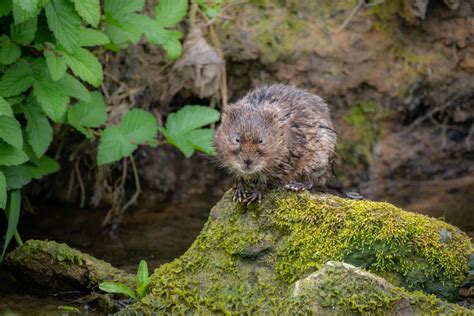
239 194
296 186
255 195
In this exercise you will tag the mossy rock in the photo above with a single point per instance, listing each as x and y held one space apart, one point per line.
246 260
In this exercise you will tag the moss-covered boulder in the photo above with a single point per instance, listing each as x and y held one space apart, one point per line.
247 260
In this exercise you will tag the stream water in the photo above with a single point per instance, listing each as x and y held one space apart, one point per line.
156 233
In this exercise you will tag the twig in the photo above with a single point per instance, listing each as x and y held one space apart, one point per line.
350 16
81 184
138 190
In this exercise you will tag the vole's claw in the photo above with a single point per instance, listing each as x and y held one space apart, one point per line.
295 186
254 195
239 194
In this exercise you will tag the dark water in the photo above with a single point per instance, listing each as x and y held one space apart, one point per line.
155 233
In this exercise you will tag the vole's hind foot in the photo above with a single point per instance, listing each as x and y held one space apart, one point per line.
296 186
239 194
254 195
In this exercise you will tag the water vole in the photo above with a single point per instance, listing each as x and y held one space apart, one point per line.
276 136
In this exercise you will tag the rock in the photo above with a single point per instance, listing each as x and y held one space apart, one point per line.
58 267
247 260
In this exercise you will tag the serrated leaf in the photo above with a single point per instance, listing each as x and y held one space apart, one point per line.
113 146
5 7
24 33
27 5
117 288
90 37
168 13
183 129
138 126
11 156
129 28
10 131
12 211
51 96
17 176
120 9
3 191
154 32
56 64
89 10
64 22
191 117
39 132
16 79
85 65
88 114
202 140
74 88
44 167
21 15
9 51
5 108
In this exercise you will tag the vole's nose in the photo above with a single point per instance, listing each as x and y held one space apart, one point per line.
247 162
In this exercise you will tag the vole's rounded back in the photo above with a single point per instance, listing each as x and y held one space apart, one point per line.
277 136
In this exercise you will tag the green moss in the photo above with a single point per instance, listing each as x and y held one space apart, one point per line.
246 261
365 119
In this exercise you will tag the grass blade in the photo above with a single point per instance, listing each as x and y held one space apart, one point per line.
117 288
12 211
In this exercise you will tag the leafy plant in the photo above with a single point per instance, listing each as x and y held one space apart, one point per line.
142 282
48 63
211 7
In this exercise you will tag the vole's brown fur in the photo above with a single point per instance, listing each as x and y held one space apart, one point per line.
276 136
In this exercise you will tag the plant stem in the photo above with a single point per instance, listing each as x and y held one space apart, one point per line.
18 238
138 190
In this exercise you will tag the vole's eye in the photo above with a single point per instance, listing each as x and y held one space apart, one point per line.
237 139
260 140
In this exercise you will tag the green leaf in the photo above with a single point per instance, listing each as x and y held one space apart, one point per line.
191 117
117 288
120 9
85 65
12 211
56 63
142 278
202 140
88 114
24 33
139 126
24 10
17 176
16 79
74 88
10 131
154 32
64 22
51 96
11 156
5 108
9 51
44 167
89 10
5 7
39 132
182 129
173 48
170 12
113 146
90 37
27 5
129 28
3 191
